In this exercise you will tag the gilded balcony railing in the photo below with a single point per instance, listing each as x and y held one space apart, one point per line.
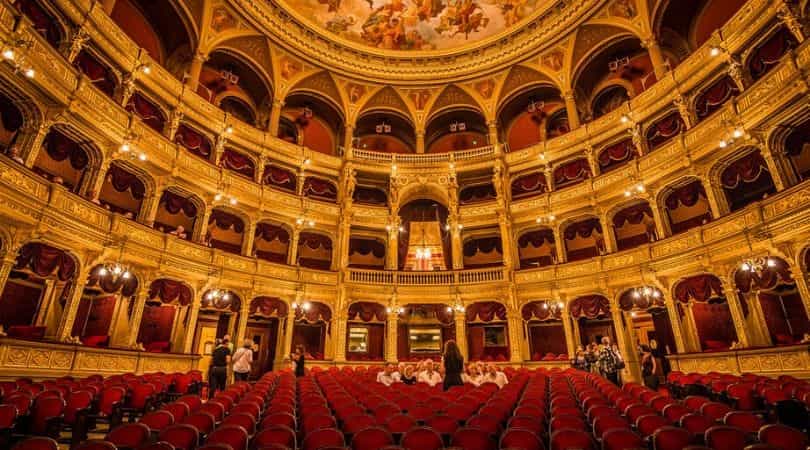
408 278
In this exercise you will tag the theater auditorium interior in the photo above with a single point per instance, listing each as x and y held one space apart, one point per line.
244 224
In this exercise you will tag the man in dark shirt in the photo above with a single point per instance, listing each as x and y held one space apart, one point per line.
218 374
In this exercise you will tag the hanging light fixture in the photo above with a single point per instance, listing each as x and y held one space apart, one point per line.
219 298
555 307
758 265
115 271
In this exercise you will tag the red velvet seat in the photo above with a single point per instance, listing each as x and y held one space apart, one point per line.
318 422
567 423
371 438
443 424
202 421
356 423
723 437
530 411
274 435
214 408
421 438
192 401
744 420
571 439
696 424
695 402
526 423
181 436
675 412
487 423
323 438
784 437
37 443
621 439
286 419
233 436
131 435
516 438
46 416
743 396
649 424
671 438
95 444
243 420
157 420
400 423
178 410
715 410
472 439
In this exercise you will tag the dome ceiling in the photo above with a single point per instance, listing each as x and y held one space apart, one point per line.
420 25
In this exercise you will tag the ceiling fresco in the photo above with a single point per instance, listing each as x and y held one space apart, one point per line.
416 24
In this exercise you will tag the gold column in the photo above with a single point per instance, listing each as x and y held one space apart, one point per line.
149 207
248 238
516 341
348 141
744 335
392 251
661 223
677 329
65 327
45 305
30 142
391 336
755 322
717 200
191 326
571 109
572 341
457 251
201 225
790 18
340 333
108 6
624 337
137 314
608 233
195 70
507 240
292 249
461 332
804 291
241 325
289 324
5 270
492 128
420 141
657 58
774 169
275 117
692 337
559 244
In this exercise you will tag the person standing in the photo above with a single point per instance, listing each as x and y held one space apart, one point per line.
242 359
218 373
453 365
608 361
298 358
649 368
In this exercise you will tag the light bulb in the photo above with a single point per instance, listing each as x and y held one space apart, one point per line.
640 188
307 161
117 270
560 305
388 310
738 133
146 69
226 297
299 221
656 294
8 54
102 272
770 262
428 253
393 167
305 306
233 201
449 309
401 229
723 144
218 197
125 147
30 73
388 228
714 51
745 267
627 193
633 314
126 275
460 226
552 217
311 223
545 305
142 156
542 156
624 118
209 296
636 294
229 129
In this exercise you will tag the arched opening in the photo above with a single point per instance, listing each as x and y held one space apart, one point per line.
39 285
264 318
592 319
318 124
773 286
370 195
166 309
715 96
487 332
288 131
239 108
177 214
544 328
483 251
797 149
455 130
279 177
703 304
664 129
422 331
609 99
218 316
147 111
238 163
767 54
571 173
314 251
525 116
230 82
97 72
687 207
424 243
616 155
313 321
272 243
365 332
366 253
583 240
529 185
747 180
43 21
537 248
557 124
477 192
226 231
122 191
320 189
65 161
193 141
12 121
634 226
649 320
385 131
104 311
684 25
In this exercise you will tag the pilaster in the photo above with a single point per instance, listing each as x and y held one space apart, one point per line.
391 335
744 335
191 325
657 58
63 331
571 109
460 318
137 314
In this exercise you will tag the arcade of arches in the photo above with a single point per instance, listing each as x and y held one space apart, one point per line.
172 174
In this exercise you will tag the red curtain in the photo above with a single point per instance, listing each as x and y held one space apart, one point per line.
540 310
367 311
96 71
123 181
376 341
616 155
700 288
319 188
486 312
315 241
665 129
366 246
226 221
536 238
572 172
746 169
237 162
156 324
583 229
281 178
590 307
529 185
768 54
715 96
44 260
547 341
370 196
316 312
714 325
19 304
268 307
148 112
686 195
634 214
269 232
167 291
483 245
43 22
476 194
60 147
193 141
174 203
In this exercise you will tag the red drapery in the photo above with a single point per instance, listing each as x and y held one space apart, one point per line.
589 306
477 193
281 178
746 170
174 203
226 221
700 288
615 155
366 246
123 181
44 260
686 195
19 304
319 188
486 311
370 196
367 312
536 238
148 112
193 141
315 241
572 172
430 310
785 316
634 214
483 245
97 72
583 229
715 96
43 23
312 337
540 310
169 291
769 278
316 312
665 129
60 147
769 53
237 162
111 285
528 185
156 326
269 232
268 307
10 115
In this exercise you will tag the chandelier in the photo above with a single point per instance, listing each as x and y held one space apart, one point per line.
758 265
303 306
556 308
423 253
115 271
13 54
396 309
457 307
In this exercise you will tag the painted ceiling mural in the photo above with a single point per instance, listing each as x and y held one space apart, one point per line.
416 24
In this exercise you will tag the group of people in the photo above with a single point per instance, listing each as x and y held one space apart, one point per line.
451 372
222 357
604 359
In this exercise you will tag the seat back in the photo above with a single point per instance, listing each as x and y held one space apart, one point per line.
110 398
275 435
232 435
569 439
177 410
421 438
521 439
621 439
193 401
472 439
216 409
157 420
371 438
201 420
37 443
243 420
8 414
323 438
783 436
130 435
95 444
744 420
671 438
400 423
181 436
45 410
723 437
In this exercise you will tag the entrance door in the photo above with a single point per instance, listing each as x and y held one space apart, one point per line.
206 341
264 337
